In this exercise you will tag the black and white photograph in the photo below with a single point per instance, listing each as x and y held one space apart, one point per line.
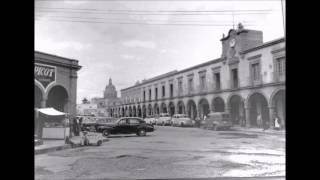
159 89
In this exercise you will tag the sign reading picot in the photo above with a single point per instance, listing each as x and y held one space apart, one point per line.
44 74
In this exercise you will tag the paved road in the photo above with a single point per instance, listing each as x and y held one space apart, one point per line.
170 152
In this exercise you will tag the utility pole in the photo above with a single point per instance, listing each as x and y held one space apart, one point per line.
283 19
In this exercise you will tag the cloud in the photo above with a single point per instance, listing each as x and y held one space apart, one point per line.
49 44
139 44
126 56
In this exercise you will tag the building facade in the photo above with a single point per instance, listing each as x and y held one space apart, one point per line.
246 81
55 85
108 101
87 109
55 82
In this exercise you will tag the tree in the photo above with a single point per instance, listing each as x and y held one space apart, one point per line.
85 101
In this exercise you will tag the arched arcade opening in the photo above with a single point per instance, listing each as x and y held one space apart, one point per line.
203 108
218 105
258 106
58 98
237 111
192 109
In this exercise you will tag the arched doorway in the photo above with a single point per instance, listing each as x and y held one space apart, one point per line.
126 111
237 111
218 105
139 111
149 109
203 108
156 109
164 108
123 111
58 98
38 94
192 109
181 108
130 111
37 97
258 105
171 108
279 103
134 113
144 111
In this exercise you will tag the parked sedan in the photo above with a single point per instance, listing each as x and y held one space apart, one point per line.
216 121
126 125
150 120
182 120
164 119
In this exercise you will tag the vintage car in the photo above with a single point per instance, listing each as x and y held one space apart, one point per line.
164 119
216 121
182 120
126 125
150 120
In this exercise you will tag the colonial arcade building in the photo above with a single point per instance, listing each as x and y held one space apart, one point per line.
248 79
55 82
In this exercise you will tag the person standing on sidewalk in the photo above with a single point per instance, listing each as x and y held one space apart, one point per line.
276 123
259 120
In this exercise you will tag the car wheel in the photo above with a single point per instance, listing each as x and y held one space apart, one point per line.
106 133
141 132
99 143
86 142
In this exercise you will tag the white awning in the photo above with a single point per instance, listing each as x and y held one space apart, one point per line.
51 112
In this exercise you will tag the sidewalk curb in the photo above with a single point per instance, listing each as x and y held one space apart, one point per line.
59 148
261 132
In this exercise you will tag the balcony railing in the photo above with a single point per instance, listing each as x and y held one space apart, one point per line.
256 82
234 85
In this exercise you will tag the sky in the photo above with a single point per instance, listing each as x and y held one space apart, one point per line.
138 39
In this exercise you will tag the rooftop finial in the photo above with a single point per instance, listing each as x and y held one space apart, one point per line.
110 81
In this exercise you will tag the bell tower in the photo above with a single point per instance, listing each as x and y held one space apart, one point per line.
238 40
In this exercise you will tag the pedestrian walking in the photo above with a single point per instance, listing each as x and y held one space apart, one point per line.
259 120
277 123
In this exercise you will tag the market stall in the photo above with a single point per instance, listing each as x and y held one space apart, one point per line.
54 124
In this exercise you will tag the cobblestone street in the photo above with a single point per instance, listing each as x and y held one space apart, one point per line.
170 152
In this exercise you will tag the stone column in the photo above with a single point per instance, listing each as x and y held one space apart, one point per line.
43 103
228 109
271 115
247 111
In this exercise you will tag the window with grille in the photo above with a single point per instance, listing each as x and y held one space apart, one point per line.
180 86
235 82
280 66
202 82
255 71
190 86
163 91
217 81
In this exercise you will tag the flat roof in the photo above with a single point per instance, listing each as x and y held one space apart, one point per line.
56 60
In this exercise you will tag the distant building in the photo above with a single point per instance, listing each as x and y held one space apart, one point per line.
87 109
109 100
247 80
